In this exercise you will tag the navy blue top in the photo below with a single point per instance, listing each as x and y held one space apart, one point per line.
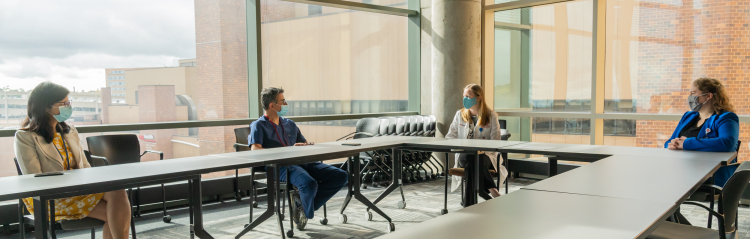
263 132
719 133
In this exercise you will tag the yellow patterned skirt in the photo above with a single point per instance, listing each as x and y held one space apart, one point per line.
72 208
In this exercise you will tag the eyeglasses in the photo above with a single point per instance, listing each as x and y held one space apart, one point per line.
66 104
283 102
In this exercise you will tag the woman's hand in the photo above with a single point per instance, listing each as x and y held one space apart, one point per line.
676 143
303 144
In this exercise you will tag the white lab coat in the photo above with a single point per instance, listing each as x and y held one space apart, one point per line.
459 130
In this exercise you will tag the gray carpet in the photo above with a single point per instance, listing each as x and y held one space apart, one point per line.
423 201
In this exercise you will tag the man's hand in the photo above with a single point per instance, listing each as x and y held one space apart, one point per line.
304 144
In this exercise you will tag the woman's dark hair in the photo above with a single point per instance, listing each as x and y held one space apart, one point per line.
42 98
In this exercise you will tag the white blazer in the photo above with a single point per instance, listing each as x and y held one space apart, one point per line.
37 156
460 129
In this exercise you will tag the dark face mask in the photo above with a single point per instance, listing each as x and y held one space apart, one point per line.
694 104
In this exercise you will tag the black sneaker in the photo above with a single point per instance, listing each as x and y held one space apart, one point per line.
298 212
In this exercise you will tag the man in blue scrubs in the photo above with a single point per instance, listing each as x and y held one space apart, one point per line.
317 182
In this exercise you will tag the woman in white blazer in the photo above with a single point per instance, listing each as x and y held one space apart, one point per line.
476 121
45 143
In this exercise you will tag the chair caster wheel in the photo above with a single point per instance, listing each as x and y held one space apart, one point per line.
255 204
368 215
281 216
443 211
167 219
364 186
324 221
342 218
391 227
238 197
289 233
401 204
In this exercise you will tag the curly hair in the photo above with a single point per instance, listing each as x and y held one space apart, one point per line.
720 100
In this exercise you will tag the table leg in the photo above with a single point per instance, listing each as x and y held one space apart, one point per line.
354 184
40 218
478 165
395 177
271 195
197 205
552 164
447 178
349 185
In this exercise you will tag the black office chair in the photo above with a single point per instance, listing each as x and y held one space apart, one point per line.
125 149
67 225
242 144
729 199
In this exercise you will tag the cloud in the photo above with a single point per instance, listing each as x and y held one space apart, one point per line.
73 41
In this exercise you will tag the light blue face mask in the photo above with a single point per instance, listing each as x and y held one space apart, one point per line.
284 110
65 113
469 102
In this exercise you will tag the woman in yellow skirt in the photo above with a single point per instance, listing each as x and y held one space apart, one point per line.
47 144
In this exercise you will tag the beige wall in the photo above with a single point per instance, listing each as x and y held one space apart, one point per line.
123 114
344 56
176 76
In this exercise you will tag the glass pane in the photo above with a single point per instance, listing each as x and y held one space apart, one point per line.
342 62
543 57
655 49
162 61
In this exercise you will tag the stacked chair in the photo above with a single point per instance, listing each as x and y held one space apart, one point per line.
416 166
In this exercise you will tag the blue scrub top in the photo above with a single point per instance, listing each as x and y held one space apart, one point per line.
262 132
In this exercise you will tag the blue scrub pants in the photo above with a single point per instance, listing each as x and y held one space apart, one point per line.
317 182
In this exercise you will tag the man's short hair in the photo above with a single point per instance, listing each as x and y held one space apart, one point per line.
268 96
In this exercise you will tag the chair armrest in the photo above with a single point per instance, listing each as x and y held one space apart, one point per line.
237 146
711 186
349 136
345 136
103 159
718 216
161 154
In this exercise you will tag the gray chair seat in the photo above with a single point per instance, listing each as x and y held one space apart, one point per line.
670 230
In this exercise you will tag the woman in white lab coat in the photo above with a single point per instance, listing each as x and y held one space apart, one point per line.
476 121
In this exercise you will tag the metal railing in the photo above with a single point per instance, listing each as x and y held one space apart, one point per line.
212 123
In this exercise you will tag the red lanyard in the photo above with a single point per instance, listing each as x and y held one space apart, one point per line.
277 132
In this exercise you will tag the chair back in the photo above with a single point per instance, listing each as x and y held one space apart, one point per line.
503 123
415 124
732 192
427 123
400 126
18 167
118 149
240 135
383 130
391 125
367 125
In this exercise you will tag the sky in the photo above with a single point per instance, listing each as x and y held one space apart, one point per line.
71 42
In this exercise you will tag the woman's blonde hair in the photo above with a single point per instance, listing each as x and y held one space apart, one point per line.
484 113
720 101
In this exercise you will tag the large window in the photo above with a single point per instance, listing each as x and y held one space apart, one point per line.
543 57
186 60
337 62
647 55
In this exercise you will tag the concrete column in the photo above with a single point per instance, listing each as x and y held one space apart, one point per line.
456 56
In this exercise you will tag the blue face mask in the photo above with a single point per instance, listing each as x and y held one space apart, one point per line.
284 110
469 102
65 113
